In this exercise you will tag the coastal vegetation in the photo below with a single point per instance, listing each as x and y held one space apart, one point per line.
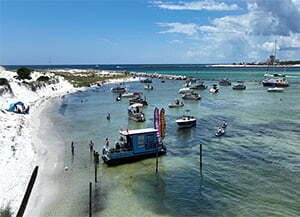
24 73
89 77
3 82
6 211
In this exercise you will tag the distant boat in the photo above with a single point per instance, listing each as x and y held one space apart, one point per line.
274 75
176 104
138 144
191 96
118 89
148 87
135 113
279 82
186 121
185 90
239 86
146 80
133 94
224 82
199 86
275 89
220 132
138 100
214 89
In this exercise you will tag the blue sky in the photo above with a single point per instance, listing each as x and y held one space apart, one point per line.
140 31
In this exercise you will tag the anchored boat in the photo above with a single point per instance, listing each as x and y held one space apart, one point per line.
148 87
118 89
280 82
186 121
176 104
137 144
135 113
191 96
138 100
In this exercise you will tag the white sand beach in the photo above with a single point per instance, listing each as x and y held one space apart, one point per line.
18 131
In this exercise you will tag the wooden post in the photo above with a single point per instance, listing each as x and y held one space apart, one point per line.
201 159
27 193
156 159
96 168
90 205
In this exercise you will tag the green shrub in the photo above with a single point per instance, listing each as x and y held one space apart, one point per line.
6 211
24 73
3 81
43 79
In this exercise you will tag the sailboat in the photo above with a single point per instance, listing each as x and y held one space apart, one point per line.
275 79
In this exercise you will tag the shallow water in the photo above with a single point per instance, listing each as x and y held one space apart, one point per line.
253 170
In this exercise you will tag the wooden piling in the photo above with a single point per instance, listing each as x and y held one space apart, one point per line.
156 160
201 159
28 192
96 171
90 204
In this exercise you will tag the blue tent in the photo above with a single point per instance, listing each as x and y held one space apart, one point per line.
13 105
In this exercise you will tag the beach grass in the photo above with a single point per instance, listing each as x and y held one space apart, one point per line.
89 78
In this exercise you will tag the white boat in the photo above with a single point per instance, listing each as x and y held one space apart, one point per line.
214 89
275 89
135 113
133 94
274 75
185 90
220 131
186 121
148 87
176 104
191 96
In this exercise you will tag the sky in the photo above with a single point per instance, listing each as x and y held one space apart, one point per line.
147 32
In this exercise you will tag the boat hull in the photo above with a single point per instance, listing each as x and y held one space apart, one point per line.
133 158
186 124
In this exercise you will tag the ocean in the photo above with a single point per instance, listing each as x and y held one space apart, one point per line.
253 170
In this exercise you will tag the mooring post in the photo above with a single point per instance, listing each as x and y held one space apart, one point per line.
28 192
156 160
96 168
201 159
90 205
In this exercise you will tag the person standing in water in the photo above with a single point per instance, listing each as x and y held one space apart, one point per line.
72 148
91 146
108 116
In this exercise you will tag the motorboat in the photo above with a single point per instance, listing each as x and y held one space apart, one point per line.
134 145
275 89
214 89
191 96
186 121
220 132
239 86
278 82
146 80
138 100
224 82
148 87
199 86
185 90
118 89
176 104
133 94
135 113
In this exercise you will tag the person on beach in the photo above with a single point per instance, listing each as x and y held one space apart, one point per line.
72 148
91 146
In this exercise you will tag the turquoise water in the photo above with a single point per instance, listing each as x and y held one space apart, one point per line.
253 170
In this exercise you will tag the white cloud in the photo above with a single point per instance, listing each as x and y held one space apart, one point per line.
246 37
198 5
189 29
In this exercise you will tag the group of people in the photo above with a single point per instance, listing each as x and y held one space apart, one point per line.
92 150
